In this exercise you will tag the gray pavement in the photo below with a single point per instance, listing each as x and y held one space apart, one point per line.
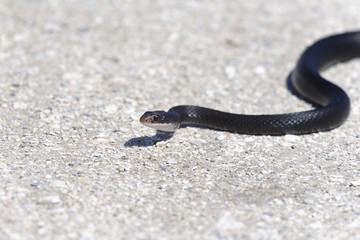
76 164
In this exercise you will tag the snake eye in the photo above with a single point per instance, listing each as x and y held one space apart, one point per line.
156 118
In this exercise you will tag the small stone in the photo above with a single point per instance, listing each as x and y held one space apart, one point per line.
259 70
50 199
171 161
291 138
72 76
229 223
355 183
221 137
230 72
111 108
58 184
20 105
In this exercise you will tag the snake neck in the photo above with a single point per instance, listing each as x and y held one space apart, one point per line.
189 115
206 117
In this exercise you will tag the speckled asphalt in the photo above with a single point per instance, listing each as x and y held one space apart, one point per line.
76 164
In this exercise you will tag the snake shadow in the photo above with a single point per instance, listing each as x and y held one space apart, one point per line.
160 136
147 141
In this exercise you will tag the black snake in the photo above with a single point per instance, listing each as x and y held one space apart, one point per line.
332 105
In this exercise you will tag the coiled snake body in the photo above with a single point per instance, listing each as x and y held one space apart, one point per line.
332 103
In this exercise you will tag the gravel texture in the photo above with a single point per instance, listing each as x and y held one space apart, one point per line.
76 164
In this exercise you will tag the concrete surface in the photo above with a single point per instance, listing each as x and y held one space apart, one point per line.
76 163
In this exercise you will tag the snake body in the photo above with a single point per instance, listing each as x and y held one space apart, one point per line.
332 105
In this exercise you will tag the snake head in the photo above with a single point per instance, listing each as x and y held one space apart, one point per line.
160 120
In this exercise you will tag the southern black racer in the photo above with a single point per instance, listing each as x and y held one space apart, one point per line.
332 105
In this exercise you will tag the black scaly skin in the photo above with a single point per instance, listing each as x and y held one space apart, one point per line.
333 104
